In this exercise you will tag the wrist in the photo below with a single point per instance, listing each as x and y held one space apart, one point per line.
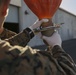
30 32
56 50
56 45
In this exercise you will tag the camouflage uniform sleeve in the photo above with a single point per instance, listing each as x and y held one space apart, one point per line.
64 61
22 38
6 34
17 60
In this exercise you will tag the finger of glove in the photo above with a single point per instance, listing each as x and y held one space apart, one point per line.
38 23
44 20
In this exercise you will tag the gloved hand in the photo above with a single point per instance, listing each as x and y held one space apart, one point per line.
38 23
53 40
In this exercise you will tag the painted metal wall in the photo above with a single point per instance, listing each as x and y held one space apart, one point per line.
13 15
67 30
16 2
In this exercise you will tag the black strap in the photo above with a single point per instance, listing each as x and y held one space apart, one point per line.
30 32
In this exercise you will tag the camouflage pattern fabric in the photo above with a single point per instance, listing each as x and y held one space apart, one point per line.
6 34
18 60
20 39
14 39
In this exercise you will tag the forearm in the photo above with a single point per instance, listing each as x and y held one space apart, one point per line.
6 34
58 52
22 38
64 60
